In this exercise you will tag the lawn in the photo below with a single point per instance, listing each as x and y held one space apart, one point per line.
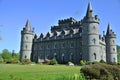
37 72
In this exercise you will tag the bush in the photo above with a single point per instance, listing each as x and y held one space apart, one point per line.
53 62
14 60
83 62
95 62
101 71
47 61
26 61
70 64
102 61
118 63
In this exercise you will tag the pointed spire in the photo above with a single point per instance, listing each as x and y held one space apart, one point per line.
89 11
27 26
109 30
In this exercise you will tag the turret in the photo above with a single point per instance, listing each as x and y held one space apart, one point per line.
111 51
27 35
90 36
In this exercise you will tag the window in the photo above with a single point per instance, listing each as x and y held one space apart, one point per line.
41 46
26 37
113 49
55 45
72 45
63 36
41 39
63 58
94 40
63 45
55 37
94 56
80 34
93 27
47 38
48 46
113 41
71 57
55 55
71 35
26 46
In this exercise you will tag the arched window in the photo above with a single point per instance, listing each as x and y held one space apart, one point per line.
94 40
113 49
71 56
113 41
94 56
26 46
55 55
63 58
26 37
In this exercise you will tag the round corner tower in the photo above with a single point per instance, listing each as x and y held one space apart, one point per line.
26 41
90 36
111 50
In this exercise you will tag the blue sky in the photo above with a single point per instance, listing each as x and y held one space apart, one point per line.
45 13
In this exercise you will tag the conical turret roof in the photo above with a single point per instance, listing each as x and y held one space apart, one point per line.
89 12
109 30
27 26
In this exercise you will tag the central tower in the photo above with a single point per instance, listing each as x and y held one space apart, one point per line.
90 36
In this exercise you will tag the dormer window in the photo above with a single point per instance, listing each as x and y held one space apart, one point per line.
55 37
47 38
63 36
71 35
80 34
41 39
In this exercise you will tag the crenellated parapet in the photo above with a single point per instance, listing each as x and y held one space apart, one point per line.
66 24
67 21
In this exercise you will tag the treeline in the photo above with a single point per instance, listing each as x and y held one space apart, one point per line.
9 57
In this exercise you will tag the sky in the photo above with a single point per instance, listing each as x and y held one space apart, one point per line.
45 13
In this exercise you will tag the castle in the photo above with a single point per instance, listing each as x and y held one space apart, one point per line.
71 41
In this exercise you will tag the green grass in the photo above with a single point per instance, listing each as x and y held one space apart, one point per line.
37 72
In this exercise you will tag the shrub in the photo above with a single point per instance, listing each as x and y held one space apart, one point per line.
14 60
70 63
118 63
53 62
47 61
26 61
95 62
83 62
102 61
101 71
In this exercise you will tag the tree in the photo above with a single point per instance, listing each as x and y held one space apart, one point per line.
6 55
1 59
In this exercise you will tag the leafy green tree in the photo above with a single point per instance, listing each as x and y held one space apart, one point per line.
15 58
1 59
6 55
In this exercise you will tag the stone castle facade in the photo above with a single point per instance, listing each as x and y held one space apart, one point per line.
71 40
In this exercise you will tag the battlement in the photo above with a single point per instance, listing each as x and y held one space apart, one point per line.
67 21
